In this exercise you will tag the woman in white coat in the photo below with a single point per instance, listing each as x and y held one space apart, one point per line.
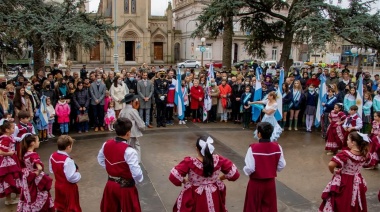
117 91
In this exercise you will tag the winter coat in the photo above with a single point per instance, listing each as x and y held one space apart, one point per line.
195 94
63 112
81 98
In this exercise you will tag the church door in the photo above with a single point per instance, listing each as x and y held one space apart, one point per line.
95 52
158 51
176 52
129 51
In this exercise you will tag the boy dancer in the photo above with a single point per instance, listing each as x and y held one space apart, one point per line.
137 123
123 169
22 128
353 122
66 176
262 161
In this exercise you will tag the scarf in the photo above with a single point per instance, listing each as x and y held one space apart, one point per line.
31 94
63 90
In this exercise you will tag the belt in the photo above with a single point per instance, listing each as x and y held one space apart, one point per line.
124 183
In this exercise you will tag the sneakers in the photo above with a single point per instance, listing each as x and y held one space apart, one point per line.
52 135
181 122
290 128
12 202
79 132
49 136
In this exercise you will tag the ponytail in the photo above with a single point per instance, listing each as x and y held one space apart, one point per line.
361 143
208 160
25 144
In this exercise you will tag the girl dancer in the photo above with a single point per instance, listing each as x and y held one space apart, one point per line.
35 195
203 189
328 105
346 190
10 170
374 149
335 136
269 110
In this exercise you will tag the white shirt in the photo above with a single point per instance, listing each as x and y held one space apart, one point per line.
249 167
130 157
359 123
69 168
17 131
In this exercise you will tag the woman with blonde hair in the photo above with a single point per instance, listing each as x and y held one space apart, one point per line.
6 105
295 104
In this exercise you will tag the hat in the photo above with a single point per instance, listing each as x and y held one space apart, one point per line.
128 98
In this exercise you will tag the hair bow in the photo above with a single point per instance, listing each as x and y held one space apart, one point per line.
364 137
208 143
2 121
26 134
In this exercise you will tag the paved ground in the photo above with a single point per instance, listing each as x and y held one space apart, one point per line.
299 185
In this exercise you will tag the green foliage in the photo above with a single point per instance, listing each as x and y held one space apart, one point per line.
50 25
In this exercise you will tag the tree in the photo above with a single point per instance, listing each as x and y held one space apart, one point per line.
217 19
298 21
50 25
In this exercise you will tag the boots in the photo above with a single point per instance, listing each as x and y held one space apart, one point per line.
290 124
295 124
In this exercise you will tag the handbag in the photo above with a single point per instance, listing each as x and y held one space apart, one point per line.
229 103
83 117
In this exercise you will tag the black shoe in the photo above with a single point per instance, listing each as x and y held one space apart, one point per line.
158 125
163 125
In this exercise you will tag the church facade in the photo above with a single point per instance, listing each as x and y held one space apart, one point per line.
142 38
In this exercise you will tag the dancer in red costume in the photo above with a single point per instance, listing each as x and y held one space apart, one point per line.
335 131
203 188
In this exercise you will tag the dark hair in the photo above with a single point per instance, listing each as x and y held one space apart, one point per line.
6 125
354 107
23 114
25 144
64 141
115 80
122 126
17 99
362 144
377 113
286 90
339 105
208 160
265 129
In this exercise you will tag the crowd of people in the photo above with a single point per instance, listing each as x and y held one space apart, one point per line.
36 109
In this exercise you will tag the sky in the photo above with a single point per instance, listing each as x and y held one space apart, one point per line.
158 6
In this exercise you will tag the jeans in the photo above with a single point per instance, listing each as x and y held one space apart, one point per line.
82 126
147 115
64 127
224 115
98 114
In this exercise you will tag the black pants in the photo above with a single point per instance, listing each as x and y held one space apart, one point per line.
161 113
247 118
98 115
212 113
236 115
197 113
169 113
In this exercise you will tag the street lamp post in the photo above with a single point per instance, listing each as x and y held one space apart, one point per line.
115 45
202 49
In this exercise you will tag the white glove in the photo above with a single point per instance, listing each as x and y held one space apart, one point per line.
162 98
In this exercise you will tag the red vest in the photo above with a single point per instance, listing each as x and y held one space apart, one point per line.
22 129
114 159
57 161
352 122
267 156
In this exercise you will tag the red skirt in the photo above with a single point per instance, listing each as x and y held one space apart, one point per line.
334 137
374 151
67 197
261 196
118 199
10 175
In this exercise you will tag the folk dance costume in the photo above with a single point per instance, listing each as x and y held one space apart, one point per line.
10 170
277 130
66 177
262 161
351 121
202 193
20 130
122 165
374 149
335 132
346 191
327 108
35 190
137 126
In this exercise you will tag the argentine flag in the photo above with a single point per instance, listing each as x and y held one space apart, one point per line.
178 100
207 102
258 93
322 92
278 113
359 97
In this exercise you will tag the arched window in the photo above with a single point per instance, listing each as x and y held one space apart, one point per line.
133 7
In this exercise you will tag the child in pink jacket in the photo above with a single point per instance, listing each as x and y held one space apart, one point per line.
62 110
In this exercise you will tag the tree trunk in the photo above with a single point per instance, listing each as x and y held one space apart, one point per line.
38 55
286 48
227 42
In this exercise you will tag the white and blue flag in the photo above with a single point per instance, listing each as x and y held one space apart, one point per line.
207 102
359 97
258 94
322 92
278 113
178 100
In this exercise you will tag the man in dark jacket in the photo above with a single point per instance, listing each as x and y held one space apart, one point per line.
83 72
131 83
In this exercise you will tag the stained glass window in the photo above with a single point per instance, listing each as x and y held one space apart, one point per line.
133 6
126 6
